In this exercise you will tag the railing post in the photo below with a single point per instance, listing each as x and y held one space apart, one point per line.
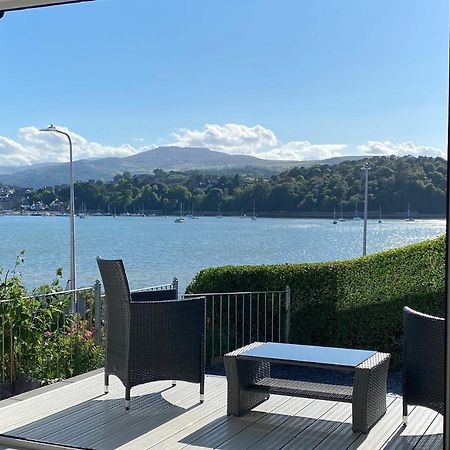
175 285
288 313
12 377
98 312
3 350
81 307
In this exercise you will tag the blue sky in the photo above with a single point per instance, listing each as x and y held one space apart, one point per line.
293 77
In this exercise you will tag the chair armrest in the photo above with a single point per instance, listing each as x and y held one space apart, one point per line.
154 296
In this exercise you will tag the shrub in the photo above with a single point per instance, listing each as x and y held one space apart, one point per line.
355 303
43 340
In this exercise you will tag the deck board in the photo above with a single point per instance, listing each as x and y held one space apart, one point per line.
381 431
343 436
188 435
324 426
286 430
218 436
420 420
49 403
433 439
270 422
184 400
161 416
171 432
121 427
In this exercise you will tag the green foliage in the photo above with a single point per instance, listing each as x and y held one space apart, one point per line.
43 341
64 353
393 183
355 303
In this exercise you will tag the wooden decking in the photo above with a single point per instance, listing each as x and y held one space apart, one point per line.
163 417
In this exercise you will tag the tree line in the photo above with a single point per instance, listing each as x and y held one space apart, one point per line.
394 182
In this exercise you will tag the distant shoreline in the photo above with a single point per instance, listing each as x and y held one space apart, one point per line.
372 215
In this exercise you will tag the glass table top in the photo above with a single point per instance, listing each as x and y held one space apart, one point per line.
308 354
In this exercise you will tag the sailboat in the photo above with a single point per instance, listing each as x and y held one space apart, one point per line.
219 215
409 218
379 219
82 213
334 216
341 219
254 213
181 218
356 213
192 216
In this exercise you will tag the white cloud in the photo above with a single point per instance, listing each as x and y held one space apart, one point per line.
255 141
33 146
303 150
373 148
12 153
263 143
229 138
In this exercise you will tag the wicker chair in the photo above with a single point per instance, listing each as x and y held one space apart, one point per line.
150 335
424 361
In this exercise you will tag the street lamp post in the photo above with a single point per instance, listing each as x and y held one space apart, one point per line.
13 5
366 169
72 280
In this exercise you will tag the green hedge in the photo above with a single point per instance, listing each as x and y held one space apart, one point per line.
354 303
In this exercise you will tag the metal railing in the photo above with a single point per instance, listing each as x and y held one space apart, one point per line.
42 337
40 334
160 287
235 319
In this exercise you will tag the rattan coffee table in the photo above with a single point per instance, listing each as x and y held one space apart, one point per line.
249 381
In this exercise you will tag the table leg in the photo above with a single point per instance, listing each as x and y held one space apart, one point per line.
241 374
369 392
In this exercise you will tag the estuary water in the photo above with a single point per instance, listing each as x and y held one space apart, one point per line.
156 249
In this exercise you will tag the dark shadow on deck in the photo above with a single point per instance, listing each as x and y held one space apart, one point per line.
261 431
418 442
102 423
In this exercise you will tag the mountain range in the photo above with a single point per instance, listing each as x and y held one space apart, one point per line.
166 158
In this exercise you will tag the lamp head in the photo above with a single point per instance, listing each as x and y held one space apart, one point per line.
49 128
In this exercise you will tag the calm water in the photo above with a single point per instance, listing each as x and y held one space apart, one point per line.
155 249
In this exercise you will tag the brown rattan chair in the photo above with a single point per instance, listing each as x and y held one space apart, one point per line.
424 361
151 335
